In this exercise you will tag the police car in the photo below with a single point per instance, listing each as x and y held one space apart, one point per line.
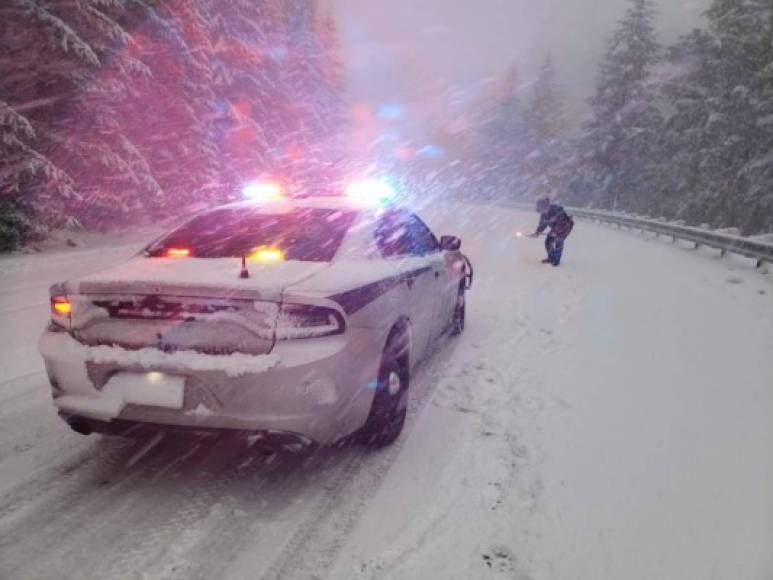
298 318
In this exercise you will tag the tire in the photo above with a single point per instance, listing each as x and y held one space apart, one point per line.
390 405
81 427
460 314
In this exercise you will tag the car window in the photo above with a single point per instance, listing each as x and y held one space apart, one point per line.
400 233
423 241
392 235
304 234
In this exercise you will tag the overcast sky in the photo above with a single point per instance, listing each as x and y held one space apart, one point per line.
397 48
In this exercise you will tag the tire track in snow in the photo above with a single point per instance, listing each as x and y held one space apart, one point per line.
137 525
211 542
182 509
113 494
313 549
61 479
58 509
26 492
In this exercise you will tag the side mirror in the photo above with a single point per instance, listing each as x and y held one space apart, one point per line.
450 243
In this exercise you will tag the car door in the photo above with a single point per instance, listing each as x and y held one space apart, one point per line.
397 240
444 289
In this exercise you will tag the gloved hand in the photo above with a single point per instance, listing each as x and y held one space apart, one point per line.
534 235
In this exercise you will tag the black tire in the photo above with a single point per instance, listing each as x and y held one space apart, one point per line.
81 427
460 314
390 405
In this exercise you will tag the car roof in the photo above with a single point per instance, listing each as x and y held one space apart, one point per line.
340 203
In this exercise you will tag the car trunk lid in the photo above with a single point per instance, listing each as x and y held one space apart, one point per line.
198 305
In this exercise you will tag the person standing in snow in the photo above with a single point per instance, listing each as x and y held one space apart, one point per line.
553 216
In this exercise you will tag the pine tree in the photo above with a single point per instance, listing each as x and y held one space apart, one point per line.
331 101
45 60
311 82
617 147
21 163
756 206
717 168
694 143
506 137
302 81
687 140
249 49
545 124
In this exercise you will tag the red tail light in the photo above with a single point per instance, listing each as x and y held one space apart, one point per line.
301 321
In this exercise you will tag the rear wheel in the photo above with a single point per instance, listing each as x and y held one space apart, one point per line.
390 405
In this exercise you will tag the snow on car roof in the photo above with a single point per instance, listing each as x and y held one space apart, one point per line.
284 205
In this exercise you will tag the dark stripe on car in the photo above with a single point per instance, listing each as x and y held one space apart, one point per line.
358 298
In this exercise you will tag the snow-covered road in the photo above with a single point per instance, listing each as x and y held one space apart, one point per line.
611 419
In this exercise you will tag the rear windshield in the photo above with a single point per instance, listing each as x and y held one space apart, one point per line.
308 235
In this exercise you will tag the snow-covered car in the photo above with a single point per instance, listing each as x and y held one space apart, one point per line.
297 317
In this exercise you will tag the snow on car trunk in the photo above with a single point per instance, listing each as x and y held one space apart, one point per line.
199 305
211 278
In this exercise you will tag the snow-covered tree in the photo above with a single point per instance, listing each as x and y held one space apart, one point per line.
754 211
45 60
506 134
717 166
331 93
616 147
111 110
282 107
545 126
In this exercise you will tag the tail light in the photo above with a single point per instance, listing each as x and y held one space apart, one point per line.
61 310
301 321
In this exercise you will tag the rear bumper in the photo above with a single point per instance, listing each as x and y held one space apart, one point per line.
124 428
319 389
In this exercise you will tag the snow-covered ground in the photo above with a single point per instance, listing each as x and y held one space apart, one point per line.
611 419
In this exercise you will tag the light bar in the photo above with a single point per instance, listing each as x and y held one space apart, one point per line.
263 191
371 191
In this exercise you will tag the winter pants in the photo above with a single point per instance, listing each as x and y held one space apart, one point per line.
555 248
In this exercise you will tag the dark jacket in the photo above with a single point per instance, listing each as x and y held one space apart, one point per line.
557 220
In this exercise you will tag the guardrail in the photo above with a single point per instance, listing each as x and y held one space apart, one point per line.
758 250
